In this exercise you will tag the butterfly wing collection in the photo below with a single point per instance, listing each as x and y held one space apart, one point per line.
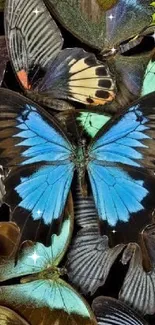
95 140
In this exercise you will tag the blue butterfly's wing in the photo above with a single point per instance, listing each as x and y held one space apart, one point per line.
111 311
39 156
121 165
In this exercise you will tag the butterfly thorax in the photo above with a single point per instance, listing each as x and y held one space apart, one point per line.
51 273
81 161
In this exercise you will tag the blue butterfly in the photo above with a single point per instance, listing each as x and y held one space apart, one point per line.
119 162
42 297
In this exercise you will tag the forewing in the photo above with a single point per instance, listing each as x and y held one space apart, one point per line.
97 25
39 154
33 257
42 296
33 38
124 154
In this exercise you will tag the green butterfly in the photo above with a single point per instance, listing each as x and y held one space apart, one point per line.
42 297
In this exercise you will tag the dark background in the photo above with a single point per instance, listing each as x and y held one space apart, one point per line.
118 271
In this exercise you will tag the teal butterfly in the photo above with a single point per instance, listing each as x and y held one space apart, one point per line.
42 297
149 78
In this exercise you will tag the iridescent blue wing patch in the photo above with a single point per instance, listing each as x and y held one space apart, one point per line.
122 163
39 156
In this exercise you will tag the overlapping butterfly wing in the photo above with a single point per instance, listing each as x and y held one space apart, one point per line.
149 78
115 32
97 25
30 30
9 317
38 154
3 58
138 289
90 259
42 297
121 166
46 72
111 311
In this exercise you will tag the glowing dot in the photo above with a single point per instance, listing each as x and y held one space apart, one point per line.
34 257
111 17
36 11
113 50
114 231
39 212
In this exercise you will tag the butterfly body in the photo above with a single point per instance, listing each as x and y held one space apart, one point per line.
51 273
43 297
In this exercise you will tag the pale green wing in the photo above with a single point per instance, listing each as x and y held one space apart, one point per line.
36 258
149 79
48 302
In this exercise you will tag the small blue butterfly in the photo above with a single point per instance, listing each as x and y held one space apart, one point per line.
119 162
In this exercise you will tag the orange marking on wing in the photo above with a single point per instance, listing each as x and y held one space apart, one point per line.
103 101
23 77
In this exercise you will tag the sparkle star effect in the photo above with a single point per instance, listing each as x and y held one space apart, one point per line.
113 50
111 17
34 257
36 11
39 212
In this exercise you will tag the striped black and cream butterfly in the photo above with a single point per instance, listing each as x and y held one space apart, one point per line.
46 72
130 246
116 30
